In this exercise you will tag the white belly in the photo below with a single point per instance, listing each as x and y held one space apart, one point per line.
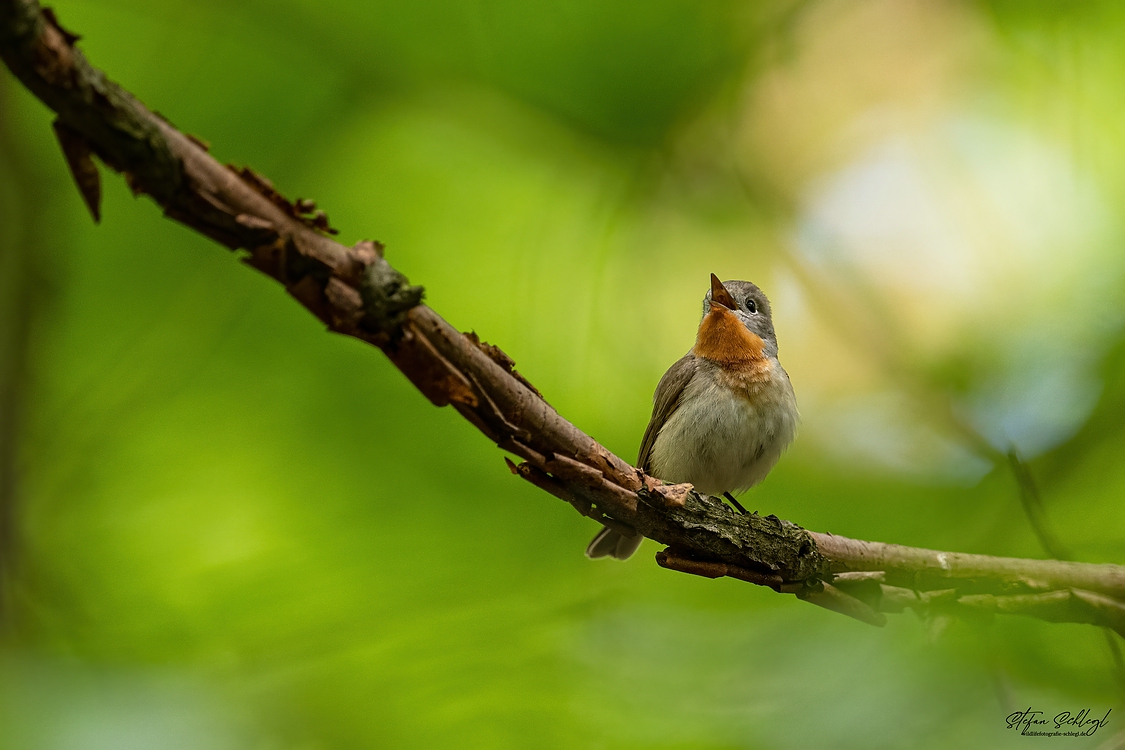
723 442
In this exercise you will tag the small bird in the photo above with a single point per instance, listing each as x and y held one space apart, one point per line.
722 414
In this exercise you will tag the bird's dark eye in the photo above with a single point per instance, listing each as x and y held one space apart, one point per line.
750 306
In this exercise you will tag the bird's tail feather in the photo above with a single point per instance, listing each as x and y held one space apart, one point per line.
610 543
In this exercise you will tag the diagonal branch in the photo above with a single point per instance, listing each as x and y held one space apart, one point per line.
355 292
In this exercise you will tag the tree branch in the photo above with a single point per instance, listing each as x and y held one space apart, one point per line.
355 292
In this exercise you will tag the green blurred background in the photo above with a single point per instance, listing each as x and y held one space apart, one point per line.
228 529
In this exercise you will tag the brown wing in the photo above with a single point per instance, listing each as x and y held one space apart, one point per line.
669 391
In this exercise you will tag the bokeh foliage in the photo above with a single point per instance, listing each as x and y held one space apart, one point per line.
235 530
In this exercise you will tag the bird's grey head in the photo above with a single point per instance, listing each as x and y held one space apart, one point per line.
751 307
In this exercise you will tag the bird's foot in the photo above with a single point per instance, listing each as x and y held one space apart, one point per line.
735 503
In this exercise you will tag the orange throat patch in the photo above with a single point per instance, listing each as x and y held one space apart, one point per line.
724 339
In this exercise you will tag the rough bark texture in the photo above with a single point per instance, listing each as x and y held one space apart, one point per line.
354 291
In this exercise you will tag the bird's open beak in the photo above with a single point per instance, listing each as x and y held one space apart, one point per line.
720 295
